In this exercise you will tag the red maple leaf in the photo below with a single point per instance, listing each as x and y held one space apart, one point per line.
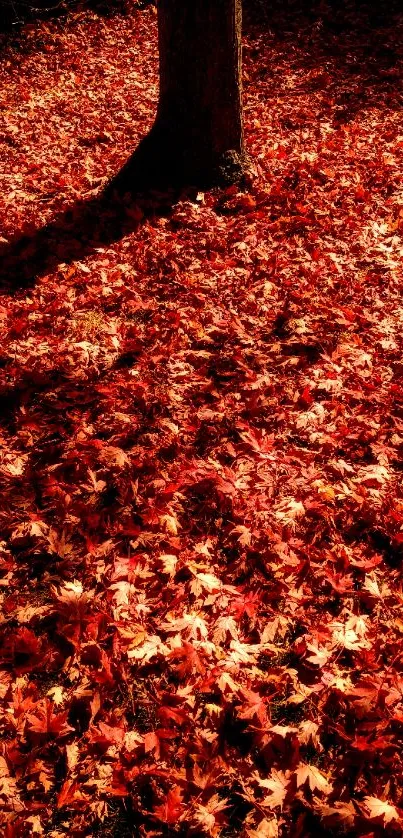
190 660
171 809
44 722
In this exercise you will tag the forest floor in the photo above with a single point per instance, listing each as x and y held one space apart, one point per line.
201 510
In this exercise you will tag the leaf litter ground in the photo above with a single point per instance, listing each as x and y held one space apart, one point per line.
201 436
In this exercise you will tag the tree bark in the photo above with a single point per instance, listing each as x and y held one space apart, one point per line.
199 116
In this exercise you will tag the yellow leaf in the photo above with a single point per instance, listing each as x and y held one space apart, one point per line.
169 563
327 492
171 524
316 780
266 829
381 809
56 694
277 786
319 657
209 581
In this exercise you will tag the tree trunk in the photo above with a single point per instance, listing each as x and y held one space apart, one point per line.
197 137
199 117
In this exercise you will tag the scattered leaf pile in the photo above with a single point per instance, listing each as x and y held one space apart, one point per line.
201 448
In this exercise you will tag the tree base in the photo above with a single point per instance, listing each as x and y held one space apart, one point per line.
230 168
160 162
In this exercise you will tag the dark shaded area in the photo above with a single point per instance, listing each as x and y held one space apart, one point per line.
379 541
150 183
147 185
350 51
341 12
15 13
234 733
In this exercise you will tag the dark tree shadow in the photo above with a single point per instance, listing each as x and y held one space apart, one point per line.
148 184
14 14
338 14
152 180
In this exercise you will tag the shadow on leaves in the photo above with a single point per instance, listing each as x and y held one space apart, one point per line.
147 185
